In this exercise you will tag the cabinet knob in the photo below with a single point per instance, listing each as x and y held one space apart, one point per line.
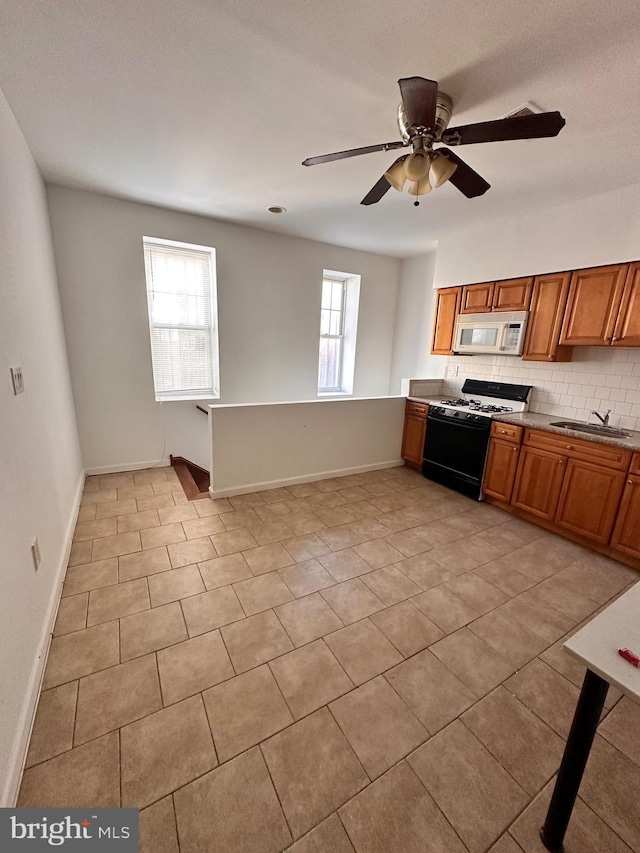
560 461
515 449
569 447
630 482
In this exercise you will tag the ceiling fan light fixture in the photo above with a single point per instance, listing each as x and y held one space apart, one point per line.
420 187
441 169
416 166
396 176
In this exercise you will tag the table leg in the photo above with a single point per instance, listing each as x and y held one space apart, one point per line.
576 753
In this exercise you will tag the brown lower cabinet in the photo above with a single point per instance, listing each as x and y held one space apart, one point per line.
589 500
626 535
415 429
500 471
502 460
581 488
538 482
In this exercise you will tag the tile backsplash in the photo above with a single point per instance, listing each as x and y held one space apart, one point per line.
425 388
597 378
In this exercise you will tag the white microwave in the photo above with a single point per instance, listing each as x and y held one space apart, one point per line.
501 333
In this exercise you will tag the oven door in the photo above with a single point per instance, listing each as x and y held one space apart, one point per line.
455 452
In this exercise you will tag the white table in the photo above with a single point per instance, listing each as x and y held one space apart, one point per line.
596 646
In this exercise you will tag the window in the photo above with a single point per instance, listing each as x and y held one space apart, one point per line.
181 294
331 334
338 326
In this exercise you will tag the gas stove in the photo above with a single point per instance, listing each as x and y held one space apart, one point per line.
458 431
472 405
487 399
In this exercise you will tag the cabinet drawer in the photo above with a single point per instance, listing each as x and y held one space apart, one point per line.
506 432
417 409
635 464
576 448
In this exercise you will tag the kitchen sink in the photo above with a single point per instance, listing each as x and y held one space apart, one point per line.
594 429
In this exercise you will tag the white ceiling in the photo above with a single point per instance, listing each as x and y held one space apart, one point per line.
210 107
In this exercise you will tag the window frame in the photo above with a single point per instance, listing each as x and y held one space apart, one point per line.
334 389
209 393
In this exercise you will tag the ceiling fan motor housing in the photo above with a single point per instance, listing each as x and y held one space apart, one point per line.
444 109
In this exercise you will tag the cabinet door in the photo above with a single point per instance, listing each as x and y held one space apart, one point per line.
447 310
413 439
512 295
548 302
626 536
477 298
589 499
538 482
593 305
627 330
500 471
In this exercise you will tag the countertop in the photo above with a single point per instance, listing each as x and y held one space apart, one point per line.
536 420
596 645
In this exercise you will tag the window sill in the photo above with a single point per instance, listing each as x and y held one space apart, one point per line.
187 397
335 393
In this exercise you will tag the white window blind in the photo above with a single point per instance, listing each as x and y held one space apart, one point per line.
181 296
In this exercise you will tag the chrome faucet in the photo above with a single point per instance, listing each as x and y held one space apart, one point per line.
604 419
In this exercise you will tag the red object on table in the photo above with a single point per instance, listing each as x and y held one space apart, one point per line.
633 658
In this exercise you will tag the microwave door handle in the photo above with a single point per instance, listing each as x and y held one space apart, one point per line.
503 336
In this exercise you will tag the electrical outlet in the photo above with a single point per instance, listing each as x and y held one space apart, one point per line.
16 378
35 553
453 370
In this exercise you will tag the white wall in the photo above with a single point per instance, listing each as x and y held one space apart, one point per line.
414 323
602 229
269 299
266 446
41 470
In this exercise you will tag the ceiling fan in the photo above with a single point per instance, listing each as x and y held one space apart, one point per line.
423 119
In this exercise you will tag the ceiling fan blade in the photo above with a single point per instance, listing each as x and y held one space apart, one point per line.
419 97
378 190
352 152
469 183
522 127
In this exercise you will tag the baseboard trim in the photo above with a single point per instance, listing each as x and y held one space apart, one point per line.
305 478
128 466
23 735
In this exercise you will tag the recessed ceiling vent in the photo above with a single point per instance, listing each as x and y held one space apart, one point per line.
527 109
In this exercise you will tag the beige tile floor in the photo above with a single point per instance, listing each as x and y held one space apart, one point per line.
369 664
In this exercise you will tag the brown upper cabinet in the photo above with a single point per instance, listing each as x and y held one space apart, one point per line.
627 329
548 302
477 298
512 295
593 305
447 310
